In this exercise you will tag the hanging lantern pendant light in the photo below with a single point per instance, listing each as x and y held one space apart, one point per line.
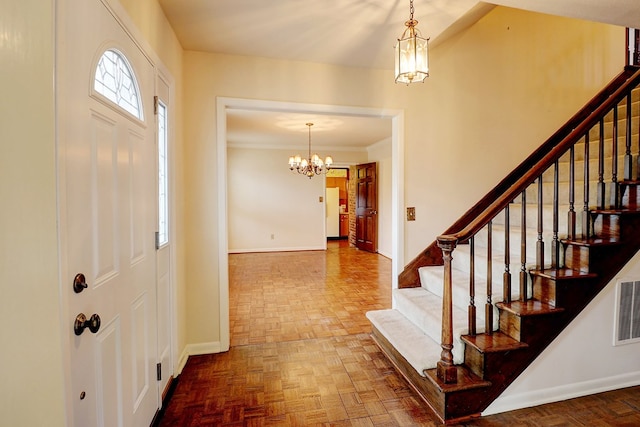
412 53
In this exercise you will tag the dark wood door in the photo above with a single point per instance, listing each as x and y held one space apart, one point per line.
367 207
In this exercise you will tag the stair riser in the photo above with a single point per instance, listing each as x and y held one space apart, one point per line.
564 194
525 329
480 363
561 293
614 225
532 222
630 196
583 258
433 281
564 169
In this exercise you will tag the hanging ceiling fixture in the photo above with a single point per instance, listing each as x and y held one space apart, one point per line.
312 165
412 53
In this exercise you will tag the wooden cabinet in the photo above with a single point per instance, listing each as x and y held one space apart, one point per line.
344 225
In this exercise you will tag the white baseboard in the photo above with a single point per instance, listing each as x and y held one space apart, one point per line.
195 350
289 249
563 392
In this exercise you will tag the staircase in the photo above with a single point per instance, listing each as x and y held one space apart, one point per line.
482 302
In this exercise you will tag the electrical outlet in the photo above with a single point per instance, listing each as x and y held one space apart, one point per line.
273 236
411 214
320 199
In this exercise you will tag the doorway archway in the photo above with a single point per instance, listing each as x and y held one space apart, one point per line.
397 182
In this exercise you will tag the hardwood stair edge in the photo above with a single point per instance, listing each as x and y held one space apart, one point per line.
467 380
563 274
531 307
494 343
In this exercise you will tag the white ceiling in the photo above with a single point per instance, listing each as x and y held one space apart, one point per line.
288 130
352 33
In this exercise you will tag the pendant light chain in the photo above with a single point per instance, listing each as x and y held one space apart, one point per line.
411 10
309 126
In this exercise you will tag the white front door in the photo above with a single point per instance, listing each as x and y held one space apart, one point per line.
108 198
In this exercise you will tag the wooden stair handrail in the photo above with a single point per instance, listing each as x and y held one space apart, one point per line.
432 255
514 190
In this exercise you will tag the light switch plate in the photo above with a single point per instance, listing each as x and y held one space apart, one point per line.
411 214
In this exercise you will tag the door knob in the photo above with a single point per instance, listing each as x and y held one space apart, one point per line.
79 283
81 323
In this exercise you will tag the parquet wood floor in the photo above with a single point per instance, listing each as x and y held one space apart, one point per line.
301 355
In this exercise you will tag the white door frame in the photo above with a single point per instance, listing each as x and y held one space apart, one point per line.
397 184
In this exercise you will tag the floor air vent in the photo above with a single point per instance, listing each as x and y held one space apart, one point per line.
628 312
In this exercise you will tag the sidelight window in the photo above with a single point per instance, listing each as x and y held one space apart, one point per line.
163 183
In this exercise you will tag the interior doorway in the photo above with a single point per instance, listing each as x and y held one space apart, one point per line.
397 183
337 203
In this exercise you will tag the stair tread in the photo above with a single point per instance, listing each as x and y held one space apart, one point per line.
495 342
593 241
466 380
530 307
563 273
618 211
419 350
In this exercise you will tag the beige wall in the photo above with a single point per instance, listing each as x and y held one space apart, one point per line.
266 199
496 91
31 380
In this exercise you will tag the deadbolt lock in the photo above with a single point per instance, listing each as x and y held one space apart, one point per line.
79 283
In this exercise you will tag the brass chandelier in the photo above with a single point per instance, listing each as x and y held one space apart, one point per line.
412 53
312 165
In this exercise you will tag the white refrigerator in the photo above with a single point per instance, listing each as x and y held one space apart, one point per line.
333 212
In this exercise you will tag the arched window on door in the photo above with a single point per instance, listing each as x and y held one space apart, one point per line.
115 80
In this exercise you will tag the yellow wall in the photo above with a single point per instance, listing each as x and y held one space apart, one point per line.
496 91
31 379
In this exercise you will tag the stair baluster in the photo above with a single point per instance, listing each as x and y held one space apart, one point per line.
638 153
445 369
613 200
555 243
488 307
600 201
540 242
472 286
506 279
523 248
628 158
571 219
585 209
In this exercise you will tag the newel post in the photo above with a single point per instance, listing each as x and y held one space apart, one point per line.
445 369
